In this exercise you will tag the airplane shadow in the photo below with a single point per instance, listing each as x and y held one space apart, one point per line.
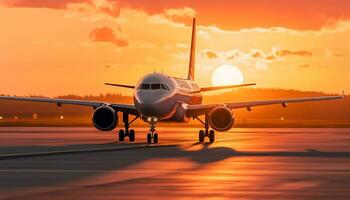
100 162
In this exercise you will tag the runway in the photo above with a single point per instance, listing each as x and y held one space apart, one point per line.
254 163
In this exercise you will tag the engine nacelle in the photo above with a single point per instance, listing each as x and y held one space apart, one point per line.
221 118
105 118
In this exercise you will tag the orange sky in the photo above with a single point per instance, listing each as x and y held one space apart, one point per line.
73 46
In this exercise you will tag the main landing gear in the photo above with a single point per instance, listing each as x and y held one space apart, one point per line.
206 133
152 130
126 132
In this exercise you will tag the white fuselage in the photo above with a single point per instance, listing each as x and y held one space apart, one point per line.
165 98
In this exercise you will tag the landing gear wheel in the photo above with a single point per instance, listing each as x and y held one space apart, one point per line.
211 136
155 138
201 136
149 138
132 135
121 135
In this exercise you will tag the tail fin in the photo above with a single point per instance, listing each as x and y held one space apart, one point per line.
192 53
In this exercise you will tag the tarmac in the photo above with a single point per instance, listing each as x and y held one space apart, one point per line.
244 163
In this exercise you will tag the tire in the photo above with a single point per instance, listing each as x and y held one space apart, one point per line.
132 135
201 136
121 135
211 136
155 138
149 138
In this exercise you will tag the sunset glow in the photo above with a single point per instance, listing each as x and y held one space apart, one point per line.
180 99
227 75
72 47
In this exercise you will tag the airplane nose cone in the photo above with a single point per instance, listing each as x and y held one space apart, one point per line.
151 104
148 99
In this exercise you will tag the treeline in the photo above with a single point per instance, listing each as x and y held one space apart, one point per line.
330 110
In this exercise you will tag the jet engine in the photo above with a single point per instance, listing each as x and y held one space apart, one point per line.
105 118
221 118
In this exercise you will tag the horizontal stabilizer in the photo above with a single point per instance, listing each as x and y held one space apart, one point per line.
120 85
206 89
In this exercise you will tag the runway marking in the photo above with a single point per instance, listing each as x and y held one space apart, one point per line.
50 153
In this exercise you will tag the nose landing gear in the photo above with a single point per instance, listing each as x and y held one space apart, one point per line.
152 130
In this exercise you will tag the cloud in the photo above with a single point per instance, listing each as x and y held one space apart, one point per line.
209 54
176 18
106 66
304 66
270 57
56 4
332 53
253 51
256 58
108 7
247 21
257 54
179 13
263 66
331 27
96 8
106 34
285 52
203 34
337 54
182 46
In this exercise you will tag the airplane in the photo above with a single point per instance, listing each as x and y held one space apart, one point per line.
160 97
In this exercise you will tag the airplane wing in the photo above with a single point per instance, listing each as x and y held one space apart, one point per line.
120 85
129 108
195 110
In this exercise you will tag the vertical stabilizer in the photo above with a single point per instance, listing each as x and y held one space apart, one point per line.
192 53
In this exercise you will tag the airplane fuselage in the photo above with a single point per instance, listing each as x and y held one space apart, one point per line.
164 97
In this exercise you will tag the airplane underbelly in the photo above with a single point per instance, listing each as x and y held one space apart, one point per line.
170 109
179 113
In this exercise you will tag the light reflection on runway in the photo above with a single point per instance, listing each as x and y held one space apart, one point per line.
241 164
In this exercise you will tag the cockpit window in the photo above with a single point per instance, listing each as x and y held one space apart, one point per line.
145 86
155 86
164 87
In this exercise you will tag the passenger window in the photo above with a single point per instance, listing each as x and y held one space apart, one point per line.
194 86
183 84
155 86
145 86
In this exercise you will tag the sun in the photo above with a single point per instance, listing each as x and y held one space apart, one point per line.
227 75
